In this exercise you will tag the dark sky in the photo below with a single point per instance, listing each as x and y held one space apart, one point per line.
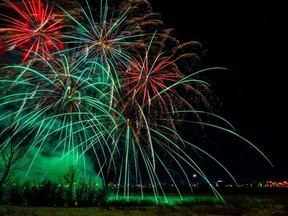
251 41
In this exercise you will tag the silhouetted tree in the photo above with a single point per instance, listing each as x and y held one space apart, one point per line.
70 178
11 155
88 193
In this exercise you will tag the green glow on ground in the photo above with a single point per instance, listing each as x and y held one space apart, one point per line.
170 199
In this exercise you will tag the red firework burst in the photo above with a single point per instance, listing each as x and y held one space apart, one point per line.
35 31
145 79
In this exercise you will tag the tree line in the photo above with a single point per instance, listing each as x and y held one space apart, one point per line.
46 193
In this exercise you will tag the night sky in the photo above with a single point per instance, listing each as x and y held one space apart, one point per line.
251 41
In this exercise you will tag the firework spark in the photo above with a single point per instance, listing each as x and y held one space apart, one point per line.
104 38
35 29
117 93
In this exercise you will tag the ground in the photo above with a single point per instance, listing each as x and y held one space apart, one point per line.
236 205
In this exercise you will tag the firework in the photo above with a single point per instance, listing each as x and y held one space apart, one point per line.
119 92
102 37
56 99
34 30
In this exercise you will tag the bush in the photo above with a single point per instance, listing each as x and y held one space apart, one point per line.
15 196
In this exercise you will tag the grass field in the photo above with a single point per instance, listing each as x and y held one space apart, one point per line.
252 204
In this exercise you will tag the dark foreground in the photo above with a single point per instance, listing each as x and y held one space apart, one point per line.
256 203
